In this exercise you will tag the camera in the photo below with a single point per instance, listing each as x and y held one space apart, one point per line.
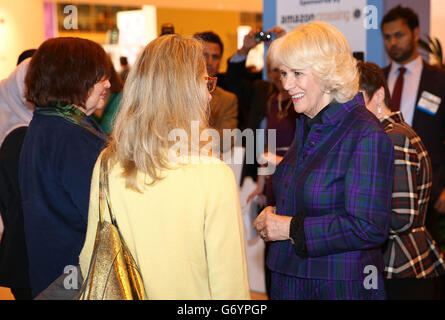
167 28
263 36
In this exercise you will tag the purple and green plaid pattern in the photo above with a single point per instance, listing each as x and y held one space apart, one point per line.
346 196
290 288
410 251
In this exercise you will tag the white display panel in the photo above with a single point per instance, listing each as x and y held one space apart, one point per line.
136 29
346 15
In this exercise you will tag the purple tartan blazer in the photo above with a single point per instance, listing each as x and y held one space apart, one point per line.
346 196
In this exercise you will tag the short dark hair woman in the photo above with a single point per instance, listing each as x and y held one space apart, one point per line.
66 81
413 263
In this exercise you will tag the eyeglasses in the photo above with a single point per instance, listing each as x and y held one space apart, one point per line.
211 83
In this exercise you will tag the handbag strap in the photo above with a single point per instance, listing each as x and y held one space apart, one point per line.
104 198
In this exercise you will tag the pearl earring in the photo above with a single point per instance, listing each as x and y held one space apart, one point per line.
379 109
327 91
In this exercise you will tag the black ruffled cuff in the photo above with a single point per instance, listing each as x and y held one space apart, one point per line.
296 233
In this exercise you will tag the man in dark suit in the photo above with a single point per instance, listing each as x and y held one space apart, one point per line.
418 90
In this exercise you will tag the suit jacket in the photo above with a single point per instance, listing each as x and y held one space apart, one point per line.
247 87
410 252
252 94
345 197
223 111
13 253
431 128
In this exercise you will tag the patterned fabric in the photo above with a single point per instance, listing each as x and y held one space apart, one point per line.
292 288
223 114
410 251
73 114
346 196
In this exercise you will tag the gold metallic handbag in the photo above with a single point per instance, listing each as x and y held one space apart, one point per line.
113 273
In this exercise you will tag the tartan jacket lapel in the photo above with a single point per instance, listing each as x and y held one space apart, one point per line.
324 136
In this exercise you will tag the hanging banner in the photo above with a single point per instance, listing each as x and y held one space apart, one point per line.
346 15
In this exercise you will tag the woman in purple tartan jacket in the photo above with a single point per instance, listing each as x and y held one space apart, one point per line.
333 199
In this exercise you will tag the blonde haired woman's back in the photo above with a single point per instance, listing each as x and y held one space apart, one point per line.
181 220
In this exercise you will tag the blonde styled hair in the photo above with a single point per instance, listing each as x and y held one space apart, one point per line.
164 90
324 50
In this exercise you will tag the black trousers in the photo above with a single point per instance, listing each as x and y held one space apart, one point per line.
413 289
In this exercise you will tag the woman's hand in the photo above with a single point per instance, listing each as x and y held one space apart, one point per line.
272 227
249 43
257 192
259 189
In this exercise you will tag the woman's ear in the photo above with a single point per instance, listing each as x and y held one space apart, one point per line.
379 96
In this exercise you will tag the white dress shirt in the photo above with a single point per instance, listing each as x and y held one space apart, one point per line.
411 81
